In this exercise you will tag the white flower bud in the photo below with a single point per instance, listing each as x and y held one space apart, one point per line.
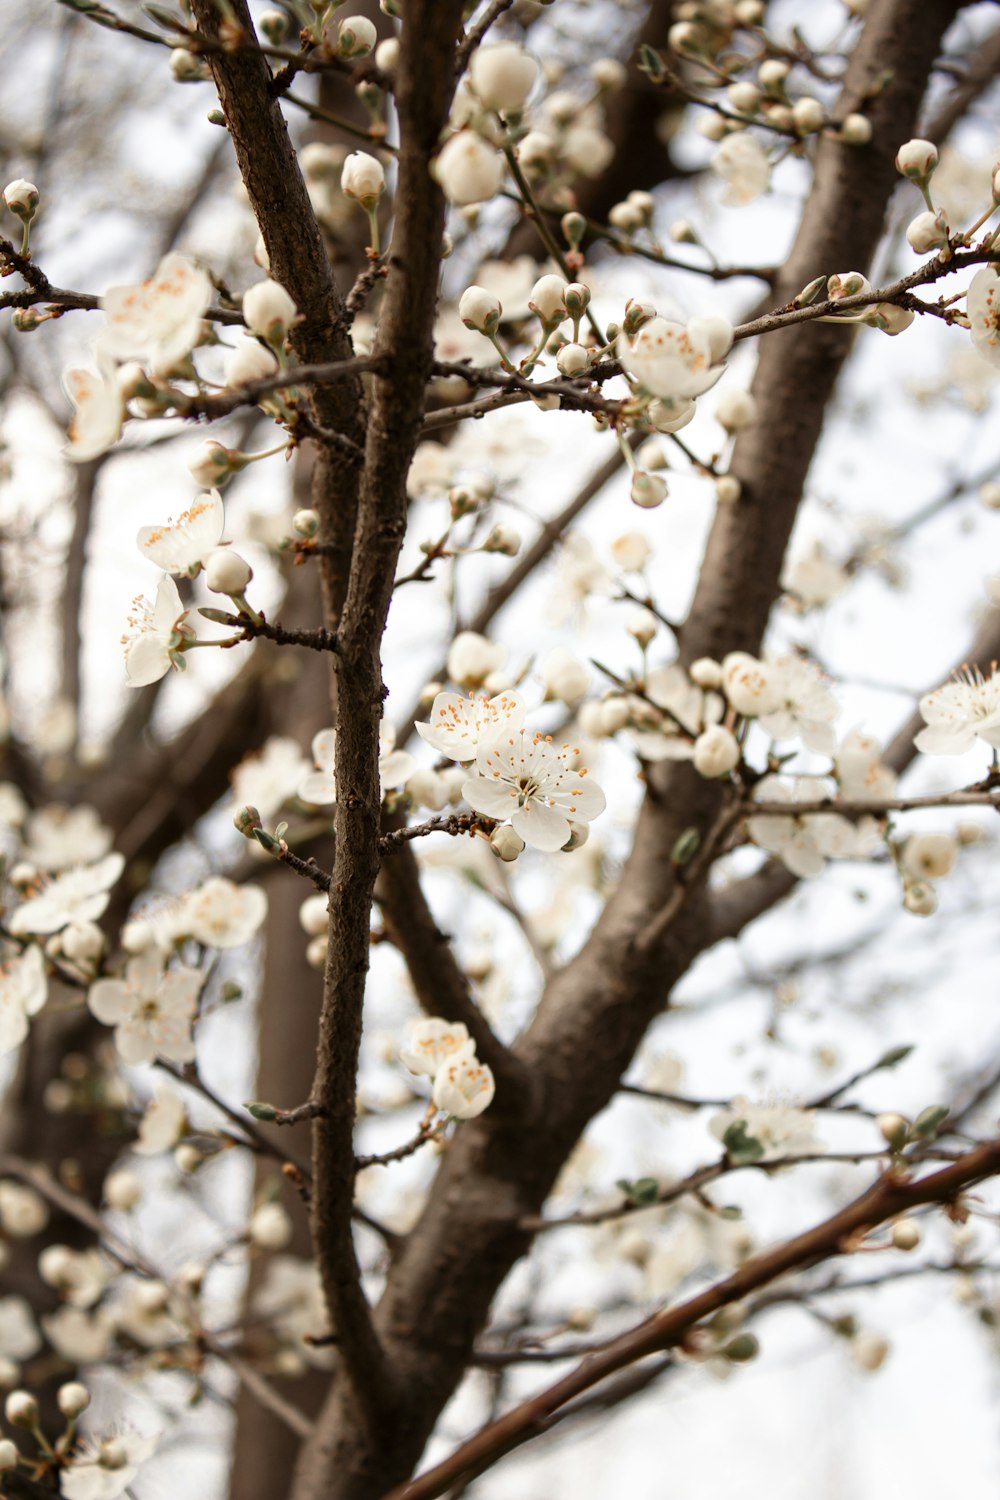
274 25
9 1456
920 898
506 844
927 232
186 68
467 169
856 130
608 73
503 76
21 1409
749 12
642 626
808 115
929 856
362 178
989 494
548 298
82 942
894 1129
503 539
744 97
427 789
563 676
270 1227
772 73
226 572
615 714
712 127
480 309
387 55
213 465
356 36
706 673
625 217
306 523
631 551
688 38
316 952
249 361
648 490
187 1158
682 232
917 160
716 752
905 1234
21 198
869 1350
471 659
736 410
314 915
122 1190
572 359
728 489
269 311
748 685
72 1398
535 151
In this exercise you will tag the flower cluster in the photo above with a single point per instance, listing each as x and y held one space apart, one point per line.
443 1051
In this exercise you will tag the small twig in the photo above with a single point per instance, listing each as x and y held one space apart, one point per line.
454 825
428 1131
475 33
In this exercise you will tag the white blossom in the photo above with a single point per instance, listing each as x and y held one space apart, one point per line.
472 658
19 1337
23 1212
457 726
716 752
151 1009
80 1337
526 779
468 169
156 635
319 787
503 76
803 844
271 777
356 36
80 1276
103 1470
290 1300
814 579
98 411
269 311
983 306
928 231
670 360
221 914
859 769
226 572
928 856
673 714
58 835
248 361
749 684
362 178
960 711
431 1042
77 895
781 1129
23 991
463 1087
742 163
158 321
163 1123
917 159
180 546
805 707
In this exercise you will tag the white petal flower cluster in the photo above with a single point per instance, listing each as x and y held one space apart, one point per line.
960 712
218 913
458 725
672 715
676 361
152 1009
803 844
443 1051
983 307
271 777
319 787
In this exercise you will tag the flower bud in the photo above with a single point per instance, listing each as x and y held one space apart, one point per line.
269 311
856 130
894 1130
625 217
270 1228
246 820
468 170
728 489
214 465
506 843
480 309
748 685
716 752
274 25
642 626
808 115
186 68
572 359
362 178
82 942
122 1190
648 490
928 231
306 523
869 1350
503 76
744 97
356 36
888 318
917 160
928 856
548 298
920 898
9 1456
579 833
226 572
772 74
905 1234
314 915
706 673
503 539
21 198
21 1409
736 410
72 1398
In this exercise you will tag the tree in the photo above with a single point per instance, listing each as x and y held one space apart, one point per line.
384 361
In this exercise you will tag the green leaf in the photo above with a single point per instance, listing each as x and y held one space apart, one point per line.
929 1120
741 1148
742 1348
894 1056
643 1191
260 1110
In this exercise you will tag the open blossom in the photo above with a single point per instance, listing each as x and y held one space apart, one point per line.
156 636
749 684
151 1009
431 1042
983 306
742 163
803 844
77 895
320 787
960 711
98 410
780 1129
270 778
23 990
674 360
526 779
162 1125
457 725
463 1087
221 914
473 658
859 769
687 711
159 321
180 546
103 1470
57 836
805 709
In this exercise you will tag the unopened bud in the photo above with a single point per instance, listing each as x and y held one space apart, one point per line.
72 1398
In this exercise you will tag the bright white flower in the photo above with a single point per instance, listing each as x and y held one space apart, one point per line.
98 411
468 169
249 361
160 320
463 1087
221 914
929 856
19 1338
23 991
431 1042
57 836
983 306
526 779
670 360
180 546
142 1312
749 684
320 787
77 895
472 658
960 711
781 1129
743 164
801 843
362 178
270 778
151 1009
269 311
270 1227
104 1470
716 752
162 1124
480 309
457 725
503 76
156 636
859 770
805 707
917 159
